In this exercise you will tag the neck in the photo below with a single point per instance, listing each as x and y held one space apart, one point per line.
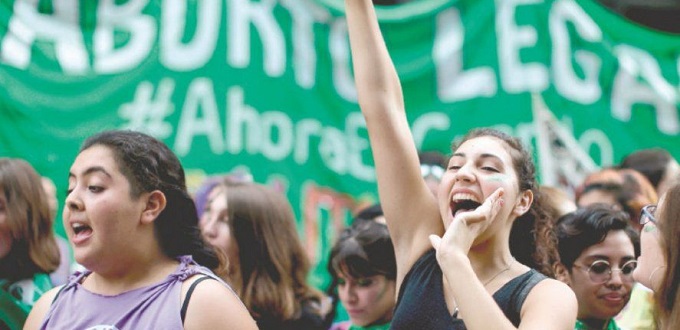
130 274
595 323
489 258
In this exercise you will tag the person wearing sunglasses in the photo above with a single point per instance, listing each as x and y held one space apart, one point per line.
598 249
659 261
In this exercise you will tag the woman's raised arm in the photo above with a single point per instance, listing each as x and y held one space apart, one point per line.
410 208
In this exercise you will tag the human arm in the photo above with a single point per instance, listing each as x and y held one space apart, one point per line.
214 306
410 209
40 309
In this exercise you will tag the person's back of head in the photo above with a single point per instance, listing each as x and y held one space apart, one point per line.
656 164
27 243
602 186
556 201
272 265
637 192
370 213
625 188
148 165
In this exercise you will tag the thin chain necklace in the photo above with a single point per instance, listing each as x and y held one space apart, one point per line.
455 310
501 272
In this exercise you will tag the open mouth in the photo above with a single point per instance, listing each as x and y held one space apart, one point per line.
80 229
464 203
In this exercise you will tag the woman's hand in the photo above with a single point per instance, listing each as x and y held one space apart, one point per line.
465 228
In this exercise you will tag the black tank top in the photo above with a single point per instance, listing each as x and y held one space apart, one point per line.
421 303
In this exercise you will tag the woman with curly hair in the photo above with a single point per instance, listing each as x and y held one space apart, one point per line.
479 274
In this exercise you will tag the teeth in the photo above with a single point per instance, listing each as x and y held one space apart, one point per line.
465 196
77 226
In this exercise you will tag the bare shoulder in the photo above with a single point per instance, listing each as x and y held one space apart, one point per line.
550 304
213 305
40 309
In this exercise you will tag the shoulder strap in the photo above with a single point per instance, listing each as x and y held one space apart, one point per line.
58 293
185 304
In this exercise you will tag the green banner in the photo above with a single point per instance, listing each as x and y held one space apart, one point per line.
266 87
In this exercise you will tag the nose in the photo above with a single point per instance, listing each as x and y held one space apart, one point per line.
208 227
464 173
347 294
73 202
616 278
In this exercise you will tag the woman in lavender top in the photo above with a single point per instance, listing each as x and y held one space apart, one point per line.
132 224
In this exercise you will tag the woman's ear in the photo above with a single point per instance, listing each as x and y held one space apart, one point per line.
155 204
561 273
524 201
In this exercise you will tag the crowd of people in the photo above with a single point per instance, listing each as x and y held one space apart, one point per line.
470 241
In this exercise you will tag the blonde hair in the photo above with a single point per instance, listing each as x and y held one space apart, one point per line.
34 248
272 266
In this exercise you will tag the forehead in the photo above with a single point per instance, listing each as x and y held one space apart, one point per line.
97 156
478 146
218 197
616 244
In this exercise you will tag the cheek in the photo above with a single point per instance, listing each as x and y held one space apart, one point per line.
5 242
651 256
492 182
582 286
378 293
444 186
342 294
225 240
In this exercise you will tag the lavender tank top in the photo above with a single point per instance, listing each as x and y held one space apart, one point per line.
153 307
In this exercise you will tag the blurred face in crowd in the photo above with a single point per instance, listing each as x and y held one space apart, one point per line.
51 192
602 278
5 233
596 196
215 225
368 300
651 260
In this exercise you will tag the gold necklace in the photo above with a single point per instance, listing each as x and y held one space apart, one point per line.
501 272
455 310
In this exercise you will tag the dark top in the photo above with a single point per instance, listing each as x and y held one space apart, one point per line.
421 303
308 320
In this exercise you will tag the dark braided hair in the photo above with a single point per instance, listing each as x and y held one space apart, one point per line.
148 164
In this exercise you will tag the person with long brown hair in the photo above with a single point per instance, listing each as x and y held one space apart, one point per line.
28 250
254 226
659 262
464 256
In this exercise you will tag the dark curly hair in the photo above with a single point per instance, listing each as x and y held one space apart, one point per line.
588 226
148 164
532 240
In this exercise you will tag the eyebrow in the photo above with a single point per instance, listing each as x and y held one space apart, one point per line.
90 170
485 155
596 257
